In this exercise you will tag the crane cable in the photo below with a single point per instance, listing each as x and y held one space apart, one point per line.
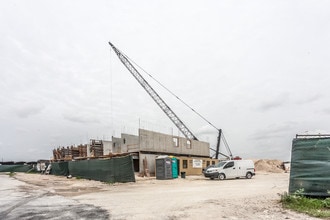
172 93
183 102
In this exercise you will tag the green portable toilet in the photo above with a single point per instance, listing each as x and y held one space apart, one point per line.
174 167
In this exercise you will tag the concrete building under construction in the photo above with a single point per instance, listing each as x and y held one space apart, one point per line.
192 155
148 145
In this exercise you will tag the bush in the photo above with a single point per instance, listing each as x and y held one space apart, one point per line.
11 174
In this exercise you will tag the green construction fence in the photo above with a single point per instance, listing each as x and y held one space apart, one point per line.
16 168
310 167
117 169
60 168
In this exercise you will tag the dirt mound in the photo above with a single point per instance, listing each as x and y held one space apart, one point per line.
272 166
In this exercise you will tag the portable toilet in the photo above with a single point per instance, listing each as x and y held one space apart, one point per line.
163 168
174 167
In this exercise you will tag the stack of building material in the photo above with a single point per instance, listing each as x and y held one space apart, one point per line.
57 154
96 148
74 152
66 153
82 150
79 152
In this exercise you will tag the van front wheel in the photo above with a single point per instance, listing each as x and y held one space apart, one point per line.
249 175
221 176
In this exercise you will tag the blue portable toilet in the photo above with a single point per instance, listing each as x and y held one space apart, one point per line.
174 167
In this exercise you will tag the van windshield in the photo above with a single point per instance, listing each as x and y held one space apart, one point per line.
220 164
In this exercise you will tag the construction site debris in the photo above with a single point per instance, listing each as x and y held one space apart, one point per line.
272 166
69 153
96 148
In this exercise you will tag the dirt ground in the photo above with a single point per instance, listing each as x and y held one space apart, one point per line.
193 197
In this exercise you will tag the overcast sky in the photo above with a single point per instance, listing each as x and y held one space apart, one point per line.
259 70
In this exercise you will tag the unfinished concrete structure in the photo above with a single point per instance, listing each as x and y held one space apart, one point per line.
149 144
146 147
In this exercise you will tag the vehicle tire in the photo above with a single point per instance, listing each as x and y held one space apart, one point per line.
248 175
221 176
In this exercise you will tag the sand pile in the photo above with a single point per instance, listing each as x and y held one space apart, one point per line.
273 166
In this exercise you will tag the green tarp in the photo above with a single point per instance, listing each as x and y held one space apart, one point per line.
15 168
118 169
310 166
60 168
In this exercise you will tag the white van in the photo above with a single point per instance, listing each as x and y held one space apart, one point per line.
231 169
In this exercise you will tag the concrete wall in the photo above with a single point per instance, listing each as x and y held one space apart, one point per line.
151 162
168 144
116 145
151 144
130 143
107 147
126 143
88 150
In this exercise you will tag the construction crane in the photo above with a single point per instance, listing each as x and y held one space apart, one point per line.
166 109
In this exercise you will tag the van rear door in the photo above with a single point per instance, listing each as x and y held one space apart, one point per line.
245 166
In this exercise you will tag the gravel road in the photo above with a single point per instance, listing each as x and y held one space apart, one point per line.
191 198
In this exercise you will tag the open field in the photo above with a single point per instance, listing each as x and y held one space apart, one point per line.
35 196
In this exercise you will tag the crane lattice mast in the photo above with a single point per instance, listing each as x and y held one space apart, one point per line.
153 94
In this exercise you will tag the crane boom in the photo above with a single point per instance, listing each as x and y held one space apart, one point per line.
160 102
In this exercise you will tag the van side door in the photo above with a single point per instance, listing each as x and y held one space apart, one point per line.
241 168
230 170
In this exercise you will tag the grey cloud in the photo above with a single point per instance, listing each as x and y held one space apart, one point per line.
283 100
273 131
244 75
274 102
267 105
326 111
27 111
22 130
80 118
206 130
309 99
